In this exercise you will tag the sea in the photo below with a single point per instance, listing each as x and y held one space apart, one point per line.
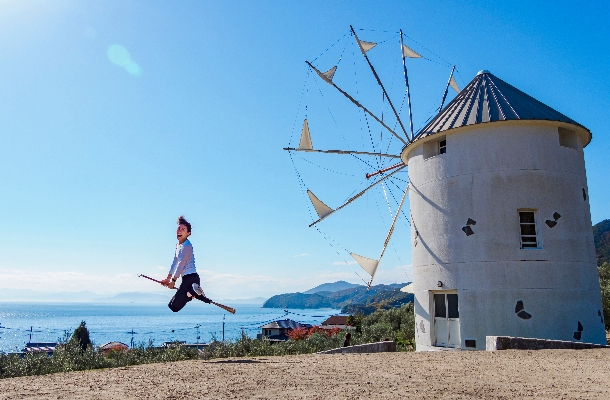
135 323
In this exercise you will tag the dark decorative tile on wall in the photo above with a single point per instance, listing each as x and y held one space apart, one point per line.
521 313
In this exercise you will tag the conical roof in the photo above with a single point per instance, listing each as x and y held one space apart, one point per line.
488 98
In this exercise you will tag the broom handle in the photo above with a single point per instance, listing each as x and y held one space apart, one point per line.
226 308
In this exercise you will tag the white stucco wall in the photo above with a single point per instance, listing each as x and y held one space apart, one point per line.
489 172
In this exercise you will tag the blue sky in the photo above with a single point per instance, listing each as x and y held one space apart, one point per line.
118 116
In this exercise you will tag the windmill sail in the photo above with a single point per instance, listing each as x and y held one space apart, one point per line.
322 209
370 265
356 196
387 239
408 288
367 264
366 46
366 110
330 73
454 85
305 143
407 52
450 82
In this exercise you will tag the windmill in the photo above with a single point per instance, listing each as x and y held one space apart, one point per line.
400 134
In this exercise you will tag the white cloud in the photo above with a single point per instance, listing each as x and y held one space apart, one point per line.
70 281
216 285
300 255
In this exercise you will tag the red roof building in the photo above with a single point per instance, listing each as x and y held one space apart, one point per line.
336 321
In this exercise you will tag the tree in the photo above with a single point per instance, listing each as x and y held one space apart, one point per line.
604 283
355 321
80 336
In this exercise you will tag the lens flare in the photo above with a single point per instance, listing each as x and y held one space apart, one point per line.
118 55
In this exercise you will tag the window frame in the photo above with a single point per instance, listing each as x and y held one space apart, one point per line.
442 146
536 234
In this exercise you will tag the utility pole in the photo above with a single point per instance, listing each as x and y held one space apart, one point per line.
198 337
31 330
132 333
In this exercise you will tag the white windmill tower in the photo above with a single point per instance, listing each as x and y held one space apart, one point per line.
501 227
500 224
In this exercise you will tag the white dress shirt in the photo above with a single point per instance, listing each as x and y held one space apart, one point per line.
184 260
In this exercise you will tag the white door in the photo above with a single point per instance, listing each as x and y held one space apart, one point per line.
446 320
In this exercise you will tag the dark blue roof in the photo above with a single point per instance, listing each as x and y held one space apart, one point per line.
285 324
488 98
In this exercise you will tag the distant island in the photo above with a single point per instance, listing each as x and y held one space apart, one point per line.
351 300
333 287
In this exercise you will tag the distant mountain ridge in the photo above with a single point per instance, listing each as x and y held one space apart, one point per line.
250 301
601 237
338 299
332 287
136 297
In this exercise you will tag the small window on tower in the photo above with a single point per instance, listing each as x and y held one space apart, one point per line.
435 147
527 224
442 146
568 138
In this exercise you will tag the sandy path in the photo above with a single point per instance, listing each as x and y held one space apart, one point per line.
550 374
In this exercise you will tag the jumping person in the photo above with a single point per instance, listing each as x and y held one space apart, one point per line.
184 265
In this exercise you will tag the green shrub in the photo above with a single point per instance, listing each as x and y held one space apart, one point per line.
604 283
395 324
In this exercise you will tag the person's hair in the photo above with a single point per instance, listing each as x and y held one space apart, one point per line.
183 221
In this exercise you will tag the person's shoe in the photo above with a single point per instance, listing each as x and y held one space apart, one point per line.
197 289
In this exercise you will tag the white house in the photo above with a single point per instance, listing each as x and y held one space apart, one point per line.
501 228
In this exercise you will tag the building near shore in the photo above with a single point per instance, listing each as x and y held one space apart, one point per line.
501 227
335 321
113 346
278 330
40 347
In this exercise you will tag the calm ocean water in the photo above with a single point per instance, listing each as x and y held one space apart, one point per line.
115 322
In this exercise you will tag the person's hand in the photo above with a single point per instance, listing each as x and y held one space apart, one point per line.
171 284
166 281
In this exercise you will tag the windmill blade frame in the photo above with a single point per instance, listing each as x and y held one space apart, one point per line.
355 197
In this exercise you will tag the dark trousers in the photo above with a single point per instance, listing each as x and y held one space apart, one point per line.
180 299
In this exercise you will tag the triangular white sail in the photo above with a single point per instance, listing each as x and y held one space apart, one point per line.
330 73
322 209
407 52
366 46
408 288
305 143
367 264
454 85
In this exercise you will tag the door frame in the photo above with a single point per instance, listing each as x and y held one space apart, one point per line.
433 317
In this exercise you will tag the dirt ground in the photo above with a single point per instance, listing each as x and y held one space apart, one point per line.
545 374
